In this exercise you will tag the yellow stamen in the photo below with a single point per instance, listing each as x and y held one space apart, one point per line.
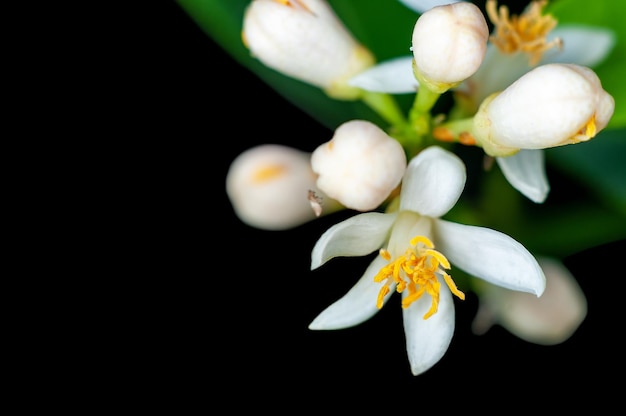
267 173
524 33
590 128
416 272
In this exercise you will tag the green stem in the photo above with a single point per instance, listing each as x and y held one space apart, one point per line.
424 101
385 106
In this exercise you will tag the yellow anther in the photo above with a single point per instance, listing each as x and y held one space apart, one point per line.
453 287
381 296
267 173
441 259
416 272
422 239
524 33
590 128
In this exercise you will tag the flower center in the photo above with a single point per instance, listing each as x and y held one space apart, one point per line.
416 271
524 33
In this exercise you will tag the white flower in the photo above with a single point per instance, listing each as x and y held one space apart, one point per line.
432 184
567 43
448 43
507 58
551 105
520 43
548 320
305 39
359 166
268 186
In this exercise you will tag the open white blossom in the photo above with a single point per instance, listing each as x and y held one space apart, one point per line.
448 44
305 39
548 320
417 247
551 105
360 166
268 186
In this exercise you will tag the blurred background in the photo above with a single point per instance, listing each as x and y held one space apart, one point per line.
258 295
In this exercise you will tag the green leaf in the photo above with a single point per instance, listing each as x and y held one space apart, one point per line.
600 164
381 25
606 13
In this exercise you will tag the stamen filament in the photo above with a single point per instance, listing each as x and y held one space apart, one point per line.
524 33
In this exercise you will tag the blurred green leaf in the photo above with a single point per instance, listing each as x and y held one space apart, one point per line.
381 25
606 13
600 164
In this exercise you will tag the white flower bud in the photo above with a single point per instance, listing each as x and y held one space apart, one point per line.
551 105
449 44
360 165
547 320
305 39
269 186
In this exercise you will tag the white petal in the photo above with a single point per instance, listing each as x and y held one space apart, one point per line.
433 182
489 255
548 320
526 172
394 76
427 340
356 306
582 45
421 6
356 236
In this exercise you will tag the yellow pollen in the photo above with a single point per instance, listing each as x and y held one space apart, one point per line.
294 3
267 173
524 33
416 272
590 128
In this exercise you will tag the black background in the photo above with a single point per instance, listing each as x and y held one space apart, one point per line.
239 321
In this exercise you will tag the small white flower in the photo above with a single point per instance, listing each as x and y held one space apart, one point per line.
448 43
548 320
305 39
359 166
268 186
518 44
409 263
551 105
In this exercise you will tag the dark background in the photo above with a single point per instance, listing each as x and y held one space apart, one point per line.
239 323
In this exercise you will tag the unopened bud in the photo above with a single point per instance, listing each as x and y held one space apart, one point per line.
546 320
304 39
551 105
360 166
449 44
270 187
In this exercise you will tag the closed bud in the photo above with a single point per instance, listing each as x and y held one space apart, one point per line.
551 105
449 44
360 166
304 39
549 319
271 187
